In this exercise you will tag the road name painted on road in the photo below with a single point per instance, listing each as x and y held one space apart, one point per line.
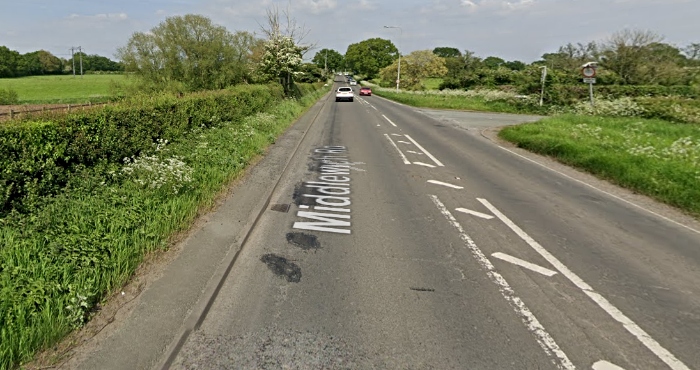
330 195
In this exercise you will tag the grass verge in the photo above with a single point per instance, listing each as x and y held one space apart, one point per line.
653 157
61 260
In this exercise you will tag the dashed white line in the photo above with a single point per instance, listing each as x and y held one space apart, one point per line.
403 142
403 157
654 346
392 123
414 152
445 184
396 135
474 213
424 164
604 365
425 151
525 264
546 342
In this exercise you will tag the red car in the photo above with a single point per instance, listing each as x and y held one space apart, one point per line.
366 91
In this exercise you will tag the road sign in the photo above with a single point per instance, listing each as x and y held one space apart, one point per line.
589 80
588 72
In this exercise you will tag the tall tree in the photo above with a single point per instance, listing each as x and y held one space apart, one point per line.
284 49
625 52
415 67
8 62
328 58
189 51
447 52
369 56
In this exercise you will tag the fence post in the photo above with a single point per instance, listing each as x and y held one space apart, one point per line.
69 107
12 114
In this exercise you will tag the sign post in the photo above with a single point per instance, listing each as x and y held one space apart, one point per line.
589 71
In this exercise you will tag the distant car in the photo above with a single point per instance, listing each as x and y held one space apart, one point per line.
366 91
353 82
344 93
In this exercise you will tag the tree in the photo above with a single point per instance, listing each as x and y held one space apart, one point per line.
493 62
625 52
50 63
185 52
8 62
415 67
369 56
284 49
447 52
328 58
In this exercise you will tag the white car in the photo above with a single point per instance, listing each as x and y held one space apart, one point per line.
344 93
353 82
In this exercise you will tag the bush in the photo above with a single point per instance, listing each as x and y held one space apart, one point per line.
8 96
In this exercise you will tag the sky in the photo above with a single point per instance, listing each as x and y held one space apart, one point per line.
513 30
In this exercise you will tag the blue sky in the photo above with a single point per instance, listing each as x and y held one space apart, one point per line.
513 30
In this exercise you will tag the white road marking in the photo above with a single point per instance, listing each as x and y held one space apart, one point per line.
445 184
424 164
646 339
425 151
525 264
414 152
396 135
605 192
474 213
373 107
392 123
546 342
403 157
604 365
403 142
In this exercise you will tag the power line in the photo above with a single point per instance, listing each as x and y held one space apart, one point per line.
72 56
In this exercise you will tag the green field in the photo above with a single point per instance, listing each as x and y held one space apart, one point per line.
62 89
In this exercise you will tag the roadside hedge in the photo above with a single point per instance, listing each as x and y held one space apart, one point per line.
38 158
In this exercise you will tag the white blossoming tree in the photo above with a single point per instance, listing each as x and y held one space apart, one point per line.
283 50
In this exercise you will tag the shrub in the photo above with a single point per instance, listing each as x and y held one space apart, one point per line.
8 96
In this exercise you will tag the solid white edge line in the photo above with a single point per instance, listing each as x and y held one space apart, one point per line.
424 164
603 191
445 184
392 123
403 157
546 342
662 353
425 151
522 263
474 213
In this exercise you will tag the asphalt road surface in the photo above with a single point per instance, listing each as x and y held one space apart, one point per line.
379 236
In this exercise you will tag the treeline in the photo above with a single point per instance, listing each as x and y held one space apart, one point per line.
42 62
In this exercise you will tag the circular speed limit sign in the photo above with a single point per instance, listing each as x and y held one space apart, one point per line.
588 72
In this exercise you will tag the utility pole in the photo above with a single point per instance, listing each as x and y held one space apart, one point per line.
72 58
80 50
398 71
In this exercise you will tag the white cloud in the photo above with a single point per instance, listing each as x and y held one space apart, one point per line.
100 16
317 6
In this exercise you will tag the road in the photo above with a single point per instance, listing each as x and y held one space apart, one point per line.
391 237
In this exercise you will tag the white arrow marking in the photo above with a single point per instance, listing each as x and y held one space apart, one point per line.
424 164
525 264
634 329
445 184
474 213
425 151
403 157
604 365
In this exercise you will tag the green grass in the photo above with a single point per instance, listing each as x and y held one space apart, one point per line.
653 157
76 248
62 89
